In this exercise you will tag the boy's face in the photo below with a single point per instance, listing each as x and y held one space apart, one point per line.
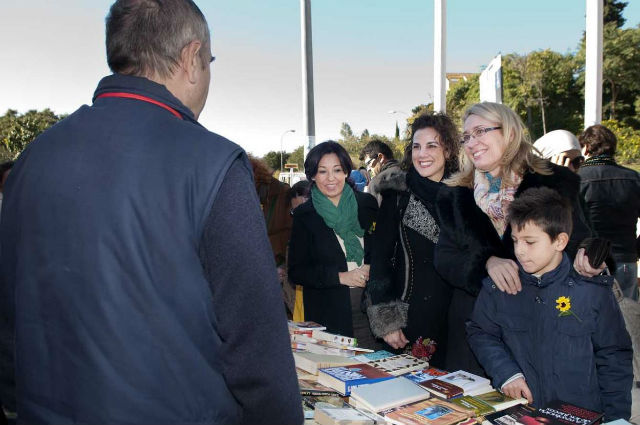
535 250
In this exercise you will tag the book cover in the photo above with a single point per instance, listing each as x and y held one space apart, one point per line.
331 415
499 401
370 357
419 376
470 383
399 364
314 388
334 338
520 414
387 394
479 407
343 378
562 413
311 362
442 389
429 412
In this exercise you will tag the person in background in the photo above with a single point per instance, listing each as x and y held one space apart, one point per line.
562 148
141 280
359 181
612 196
377 157
330 245
408 297
562 337
475 236
274 202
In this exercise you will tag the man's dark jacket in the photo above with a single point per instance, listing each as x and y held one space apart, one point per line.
582 358
612 195
145 289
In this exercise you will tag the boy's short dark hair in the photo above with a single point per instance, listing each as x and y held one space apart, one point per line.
374 147
545 208
599 140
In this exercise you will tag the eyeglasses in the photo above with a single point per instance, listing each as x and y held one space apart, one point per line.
478 132
369 161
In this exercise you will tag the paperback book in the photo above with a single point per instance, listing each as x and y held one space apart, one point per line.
331 415
442 389
499 401
420 376
371 357
519 414
314 388
387 394
479 407
399 364
344 378
311 362
429 412
562 413
471 384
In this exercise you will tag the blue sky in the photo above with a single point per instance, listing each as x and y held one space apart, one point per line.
370 56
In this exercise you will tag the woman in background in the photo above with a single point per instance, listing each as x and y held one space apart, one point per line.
408 298
330 241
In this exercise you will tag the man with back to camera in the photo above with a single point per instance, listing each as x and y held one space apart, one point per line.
141 279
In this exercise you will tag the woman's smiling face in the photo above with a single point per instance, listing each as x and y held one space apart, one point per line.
485 150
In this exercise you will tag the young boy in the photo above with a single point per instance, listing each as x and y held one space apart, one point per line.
563 336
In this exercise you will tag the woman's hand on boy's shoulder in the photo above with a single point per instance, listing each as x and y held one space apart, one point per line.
582 266
518 388
504 273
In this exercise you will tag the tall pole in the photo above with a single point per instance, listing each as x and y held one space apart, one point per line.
282 150
308 114
439 55
593 64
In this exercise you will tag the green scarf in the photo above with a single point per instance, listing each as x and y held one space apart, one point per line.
343 219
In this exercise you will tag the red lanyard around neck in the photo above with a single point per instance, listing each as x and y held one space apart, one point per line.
142 98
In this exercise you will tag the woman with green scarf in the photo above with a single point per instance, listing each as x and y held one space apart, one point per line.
329 246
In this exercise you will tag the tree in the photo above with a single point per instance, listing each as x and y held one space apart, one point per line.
16 131
297 157
273 159
461 96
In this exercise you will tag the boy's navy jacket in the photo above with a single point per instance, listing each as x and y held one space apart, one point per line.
136 256
584 359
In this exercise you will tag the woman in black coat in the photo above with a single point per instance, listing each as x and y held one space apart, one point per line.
329 246
408 298
475 238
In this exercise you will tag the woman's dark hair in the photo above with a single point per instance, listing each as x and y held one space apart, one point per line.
599 140
315 155
449 139
300 188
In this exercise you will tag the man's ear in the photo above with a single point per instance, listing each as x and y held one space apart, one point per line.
561 241
191 61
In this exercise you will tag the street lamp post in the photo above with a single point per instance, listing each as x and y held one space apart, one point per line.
281 150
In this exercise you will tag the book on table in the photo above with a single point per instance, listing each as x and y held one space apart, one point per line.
420 376
399 364
314 388
499 401
479 407
370 357
331 415
345 377
305 326
470 383
442 389
387 394
562 413
429 412
323 335
519 414
309 403
311 362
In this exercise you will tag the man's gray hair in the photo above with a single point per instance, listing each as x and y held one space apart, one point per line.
146 37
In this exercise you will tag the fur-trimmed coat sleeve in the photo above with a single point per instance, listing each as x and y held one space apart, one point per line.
467 240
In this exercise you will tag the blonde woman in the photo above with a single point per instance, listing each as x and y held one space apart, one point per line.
475 240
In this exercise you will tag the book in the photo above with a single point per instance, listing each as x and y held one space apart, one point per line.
314 388
321 349
305 326
419 376
303 374
499 401
335 338
343 378
470 383
376 355
311 362
309 403
442 389
562 413
399 364
387 394
303 339
479 407
520 414
429 412
332 415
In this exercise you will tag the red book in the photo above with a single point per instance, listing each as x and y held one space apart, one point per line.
442 389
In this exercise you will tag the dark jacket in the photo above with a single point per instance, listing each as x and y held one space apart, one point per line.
404 289
138 267
612 196
584 360
378 182
468 239
316 258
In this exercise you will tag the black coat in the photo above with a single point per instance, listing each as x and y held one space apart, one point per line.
316 258
405 290
468 239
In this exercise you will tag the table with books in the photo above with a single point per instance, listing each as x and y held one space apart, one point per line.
341 383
